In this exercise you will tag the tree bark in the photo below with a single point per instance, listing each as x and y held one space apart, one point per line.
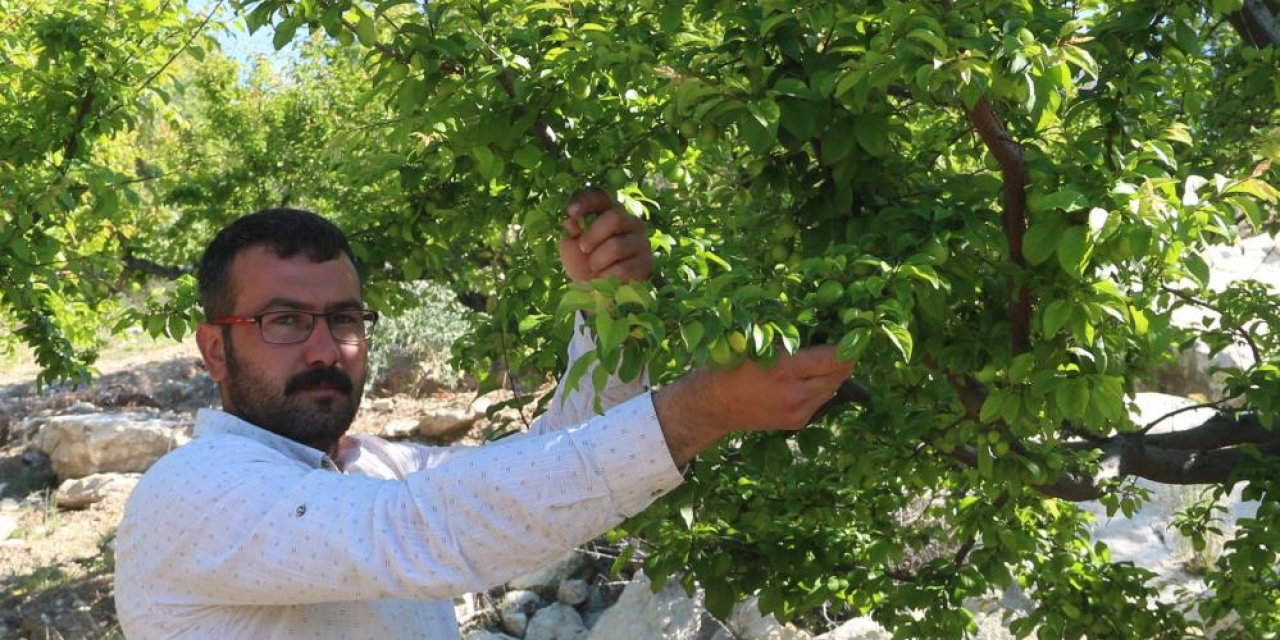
1257 24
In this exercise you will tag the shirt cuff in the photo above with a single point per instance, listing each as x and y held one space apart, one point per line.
632 454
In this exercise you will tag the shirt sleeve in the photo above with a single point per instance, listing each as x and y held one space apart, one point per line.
574 407
225 528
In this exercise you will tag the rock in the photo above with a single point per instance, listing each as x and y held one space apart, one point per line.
746 622
399 429
383 405
863 628
81 408
78 493
8 524
557 622
515 622
485 634
546 580
515 610
444 424
641 613
572 591
9 505
128 442
29 427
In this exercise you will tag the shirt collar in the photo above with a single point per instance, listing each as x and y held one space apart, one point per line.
215 421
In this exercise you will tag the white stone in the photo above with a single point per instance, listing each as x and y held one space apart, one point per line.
129 442
485 634
572 591
746 622
863 628
399 429
515 608
557 622
515 622
77 493
547 579
382 405
445 422
640 613
8 524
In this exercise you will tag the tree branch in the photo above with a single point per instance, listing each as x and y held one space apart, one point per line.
1014 217
1256 23
1207 454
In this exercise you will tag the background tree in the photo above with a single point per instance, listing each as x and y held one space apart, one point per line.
76 80
995 207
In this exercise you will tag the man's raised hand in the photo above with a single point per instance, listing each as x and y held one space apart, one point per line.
703 407
602 240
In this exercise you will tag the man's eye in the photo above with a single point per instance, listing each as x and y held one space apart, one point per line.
285 319
346 318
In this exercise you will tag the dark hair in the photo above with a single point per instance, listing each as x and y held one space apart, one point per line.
287 232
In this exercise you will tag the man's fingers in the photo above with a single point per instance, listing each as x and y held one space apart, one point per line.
588 202
815 361
612 222
634 268
572 228
616 249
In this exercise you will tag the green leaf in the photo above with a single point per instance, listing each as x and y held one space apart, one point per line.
284 33
628 294
692 333
719 598
991 406
1056 316
872 131
853 344
529 322
1065 200
1040 241
1256 188
900 337
367 31
576 298
1072 396
1074 249
932 39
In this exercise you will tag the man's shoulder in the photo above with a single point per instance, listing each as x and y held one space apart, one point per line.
217 458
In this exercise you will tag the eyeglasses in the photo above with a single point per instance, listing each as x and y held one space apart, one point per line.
348 326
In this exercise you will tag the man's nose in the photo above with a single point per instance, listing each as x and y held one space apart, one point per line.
320 349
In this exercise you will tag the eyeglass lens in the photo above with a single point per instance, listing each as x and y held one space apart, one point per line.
285 327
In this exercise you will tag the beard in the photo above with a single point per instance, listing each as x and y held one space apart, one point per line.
315 421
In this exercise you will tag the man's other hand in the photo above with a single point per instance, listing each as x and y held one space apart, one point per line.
703 407
601 240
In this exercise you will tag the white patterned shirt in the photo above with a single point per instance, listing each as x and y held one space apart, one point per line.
246 534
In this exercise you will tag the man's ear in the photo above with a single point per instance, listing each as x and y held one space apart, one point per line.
213 348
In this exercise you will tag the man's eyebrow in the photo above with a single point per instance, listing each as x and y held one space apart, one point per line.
290 303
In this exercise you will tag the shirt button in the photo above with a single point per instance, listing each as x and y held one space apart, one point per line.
300 511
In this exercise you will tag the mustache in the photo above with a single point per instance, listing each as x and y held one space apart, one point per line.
335 378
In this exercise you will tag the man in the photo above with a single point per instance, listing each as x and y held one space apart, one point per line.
273 523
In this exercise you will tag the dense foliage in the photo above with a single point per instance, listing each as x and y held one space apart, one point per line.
995 207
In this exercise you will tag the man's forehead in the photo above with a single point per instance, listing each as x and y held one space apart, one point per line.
260 274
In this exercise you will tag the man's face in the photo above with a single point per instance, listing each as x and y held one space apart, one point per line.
308 391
